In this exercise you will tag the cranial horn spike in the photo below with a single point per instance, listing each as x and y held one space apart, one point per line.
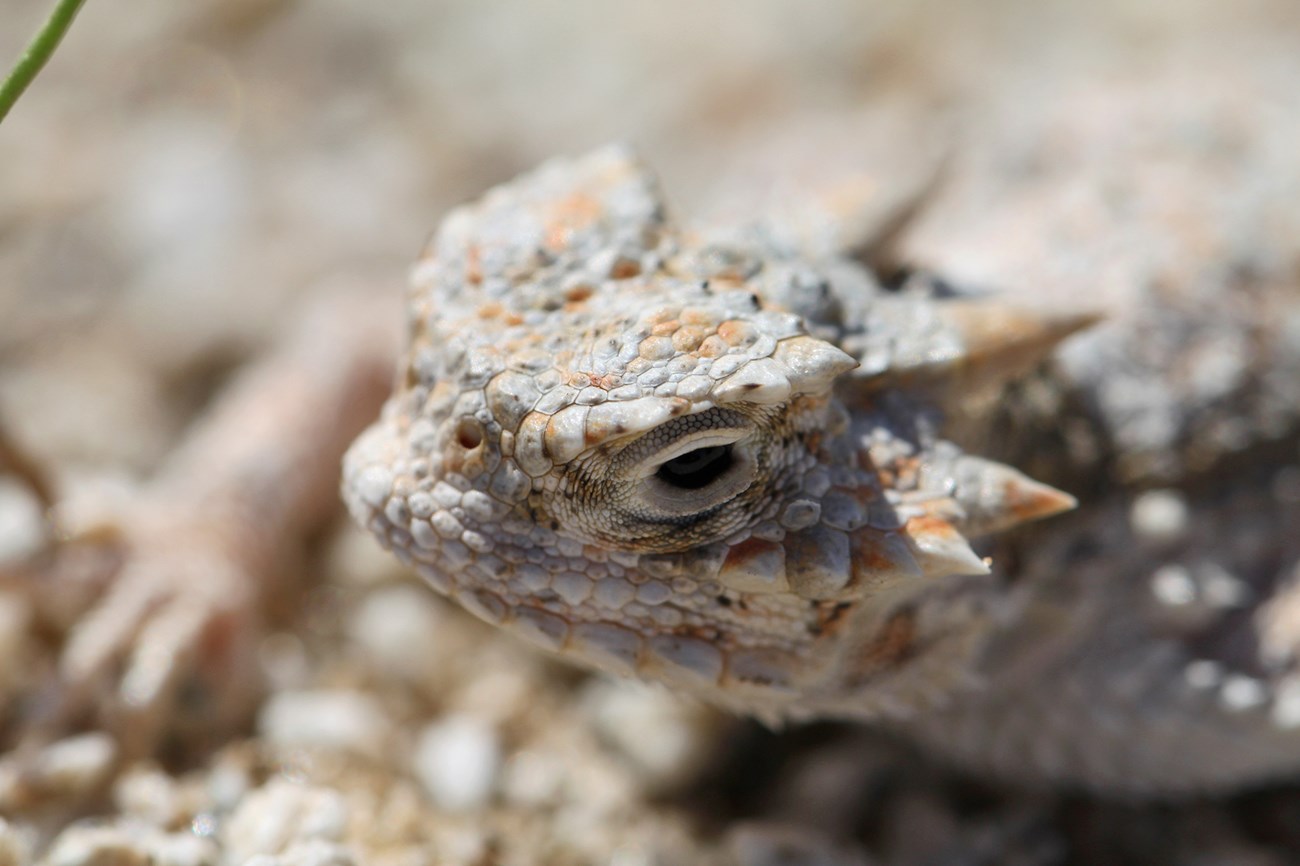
940 550
997 497
1001 342
811 365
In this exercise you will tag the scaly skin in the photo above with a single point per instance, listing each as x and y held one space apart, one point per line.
805 554
717 460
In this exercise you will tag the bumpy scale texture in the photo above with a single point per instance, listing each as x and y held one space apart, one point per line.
674 456
715 459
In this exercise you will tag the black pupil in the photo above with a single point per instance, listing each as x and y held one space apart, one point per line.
698 468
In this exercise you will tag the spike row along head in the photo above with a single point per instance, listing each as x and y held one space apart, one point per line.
647 452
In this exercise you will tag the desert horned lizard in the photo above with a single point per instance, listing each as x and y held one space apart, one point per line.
725 461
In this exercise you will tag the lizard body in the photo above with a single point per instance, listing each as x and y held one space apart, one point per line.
717 460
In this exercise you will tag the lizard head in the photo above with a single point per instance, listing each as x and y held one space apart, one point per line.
664 455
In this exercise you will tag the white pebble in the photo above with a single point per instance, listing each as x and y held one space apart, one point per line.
22 526
281 813
457 762
1241 692
311 853
1286 703
1173 585
75 766
128 845
343 720
663 738
149 795
1159 515
398 629
532 779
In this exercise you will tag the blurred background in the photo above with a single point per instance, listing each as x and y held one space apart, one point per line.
183 175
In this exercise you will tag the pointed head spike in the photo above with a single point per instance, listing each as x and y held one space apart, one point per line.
1002 342
940 550
1027 499
995 497
812 365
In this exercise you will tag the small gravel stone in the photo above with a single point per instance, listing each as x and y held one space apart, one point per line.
663 738
150 795
270 820
311 853
128 844
532 778
398 628
66 770
457 762
1159 515
21 523
343 720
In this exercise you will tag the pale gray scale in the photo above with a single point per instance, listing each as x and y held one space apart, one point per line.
653 377
425 363
778 325
629 350
456 554
446 525
485 606
397 512
816 482
817 561
667 617
556 399
511 554
543 628
694 387
725 366
511 396
374 485
424 535
435 577
423 436
509 484
591 396
681 366
802 513
843 511
628 392
400 544
607 645
691 656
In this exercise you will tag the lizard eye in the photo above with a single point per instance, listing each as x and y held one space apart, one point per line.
698 468
698 472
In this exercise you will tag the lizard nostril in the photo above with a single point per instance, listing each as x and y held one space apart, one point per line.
469 433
